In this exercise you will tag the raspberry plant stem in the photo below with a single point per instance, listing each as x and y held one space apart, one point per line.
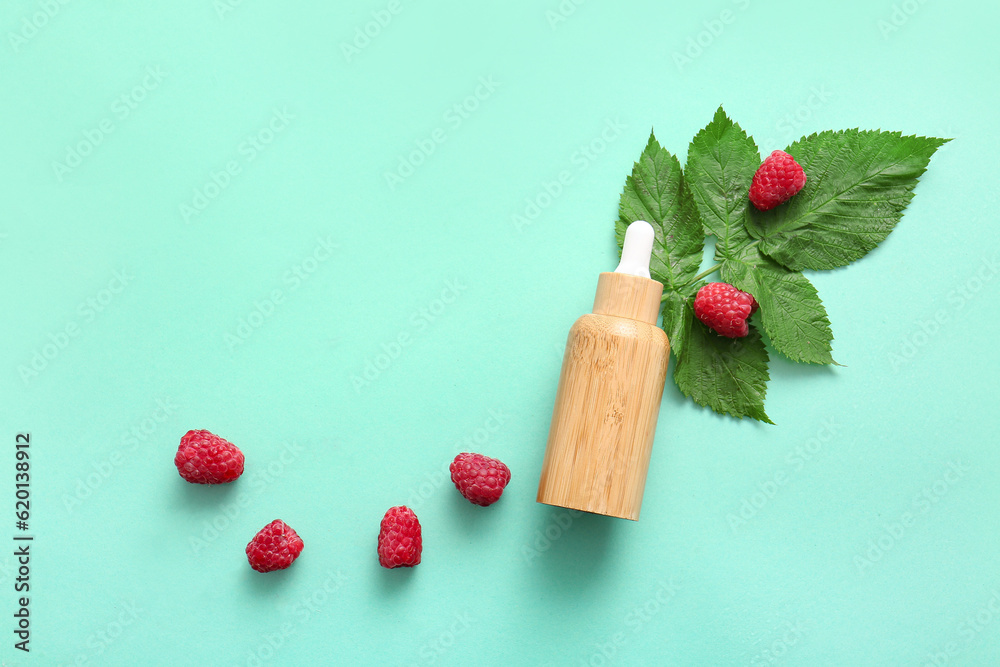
707 272
698 277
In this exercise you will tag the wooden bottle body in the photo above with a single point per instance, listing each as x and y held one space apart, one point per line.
606 409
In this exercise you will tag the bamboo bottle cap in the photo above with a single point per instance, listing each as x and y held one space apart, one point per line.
622 295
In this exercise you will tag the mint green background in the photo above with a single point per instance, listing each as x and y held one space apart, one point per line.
785 587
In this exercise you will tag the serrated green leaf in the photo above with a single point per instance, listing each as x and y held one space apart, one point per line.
721 163
677 316
857 185
656 192
791 311
728 375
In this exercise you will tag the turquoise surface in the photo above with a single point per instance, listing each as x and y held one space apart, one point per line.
252 217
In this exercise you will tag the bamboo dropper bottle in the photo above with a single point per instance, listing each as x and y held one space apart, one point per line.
609 392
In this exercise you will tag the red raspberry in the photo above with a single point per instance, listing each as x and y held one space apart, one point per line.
275 547
399 543
205 458
479 478
776 181
725 309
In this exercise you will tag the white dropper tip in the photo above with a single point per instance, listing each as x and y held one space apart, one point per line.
637 249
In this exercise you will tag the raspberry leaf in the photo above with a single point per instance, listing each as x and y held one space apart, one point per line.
858 184
791 311
728 375
677 316
656 192
721 163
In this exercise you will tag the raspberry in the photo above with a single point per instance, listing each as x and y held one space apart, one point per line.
205 458
399 543
275 547
776 181
725 309
479 478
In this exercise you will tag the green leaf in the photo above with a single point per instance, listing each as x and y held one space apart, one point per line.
790 308
728 375
857 185
721 163
678 313
656 192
